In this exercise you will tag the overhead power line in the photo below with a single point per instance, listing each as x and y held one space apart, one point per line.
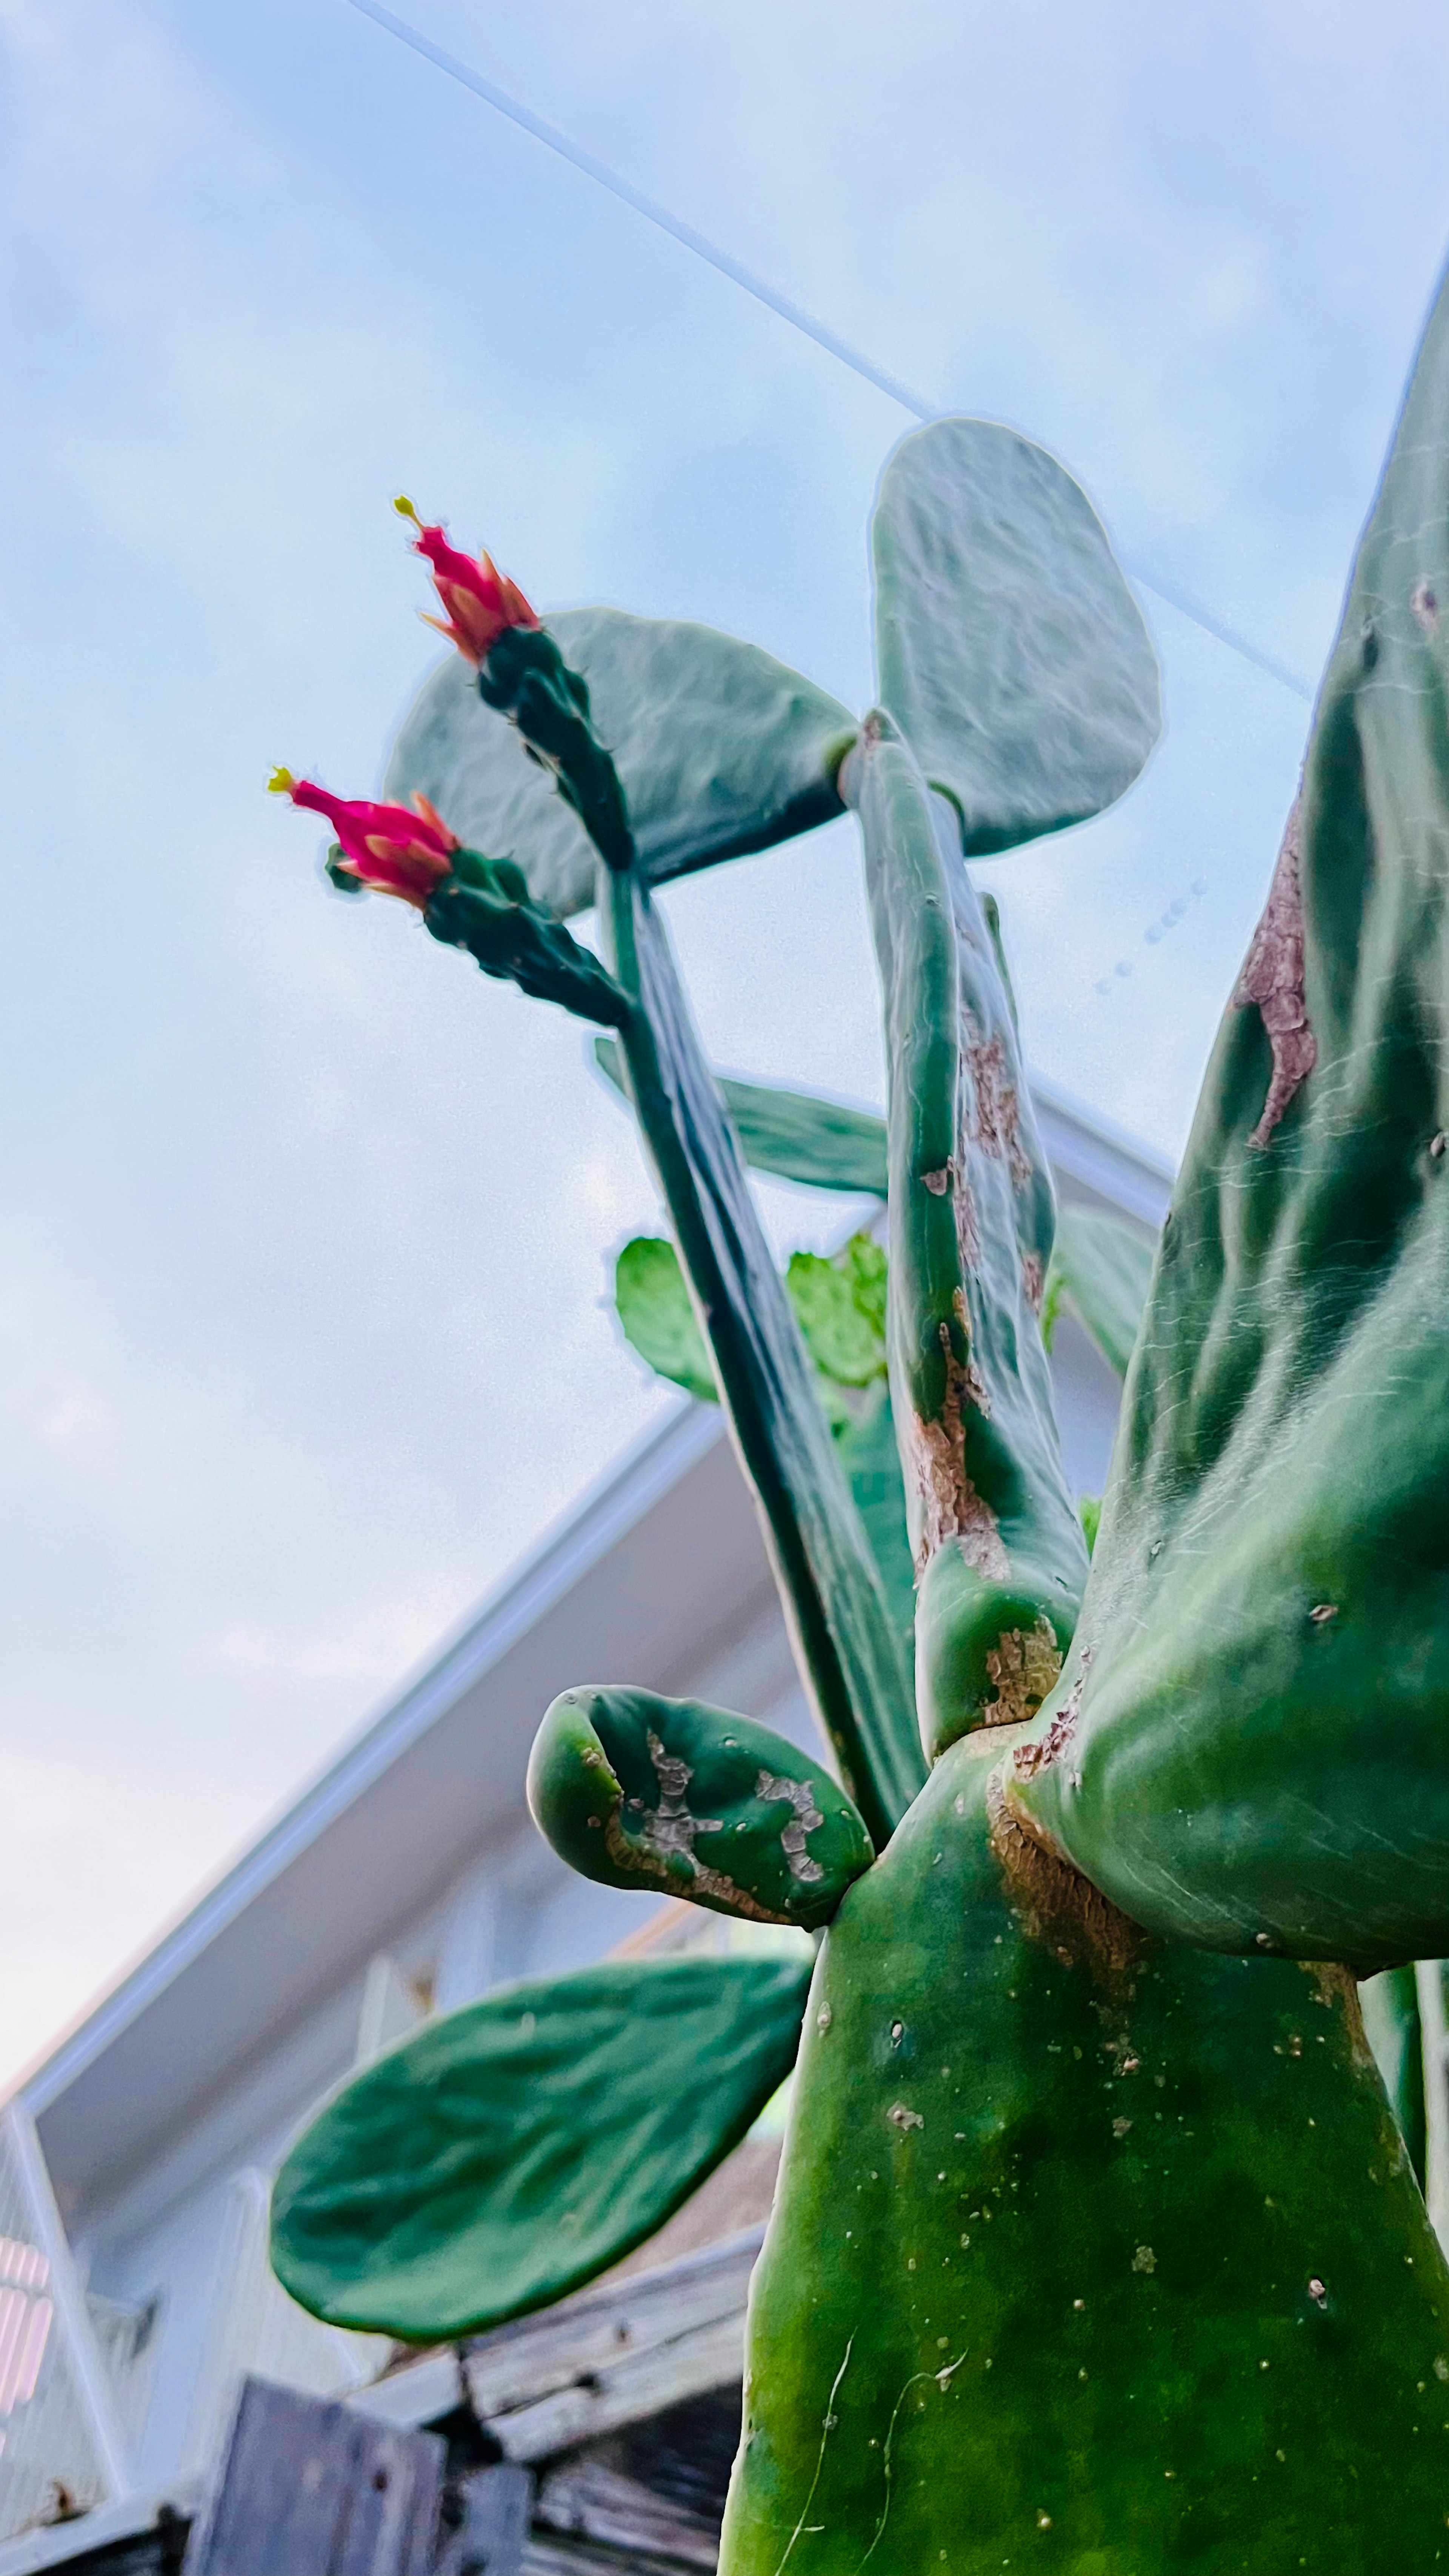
784 306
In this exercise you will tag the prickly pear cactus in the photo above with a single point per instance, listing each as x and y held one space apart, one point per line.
1098 2244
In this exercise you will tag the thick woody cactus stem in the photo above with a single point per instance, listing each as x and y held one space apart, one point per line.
833 1592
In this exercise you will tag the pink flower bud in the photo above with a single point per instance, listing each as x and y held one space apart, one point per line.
392 848
479 602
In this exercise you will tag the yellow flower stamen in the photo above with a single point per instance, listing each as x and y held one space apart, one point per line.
405 510
281 782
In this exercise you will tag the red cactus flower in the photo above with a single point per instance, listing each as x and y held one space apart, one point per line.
391 848
478 601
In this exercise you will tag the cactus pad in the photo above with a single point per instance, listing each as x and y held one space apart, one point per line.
1011 652
513 2149
1251 1746
644 1792
720 750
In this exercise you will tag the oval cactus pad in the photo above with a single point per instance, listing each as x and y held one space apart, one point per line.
514 2149
640 1791
1011 652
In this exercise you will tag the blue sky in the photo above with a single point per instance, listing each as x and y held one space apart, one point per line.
303 1228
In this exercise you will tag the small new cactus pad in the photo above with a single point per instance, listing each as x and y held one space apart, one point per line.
512 2150
1249 1746
1089 2252
640 1791
652 1302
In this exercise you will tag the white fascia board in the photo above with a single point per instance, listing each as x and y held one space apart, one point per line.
554 1566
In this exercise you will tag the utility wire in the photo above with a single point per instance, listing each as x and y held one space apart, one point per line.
783 305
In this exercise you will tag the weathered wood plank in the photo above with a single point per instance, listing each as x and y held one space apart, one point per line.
622 2391
594 2502
493 2534
304 2487
518 2364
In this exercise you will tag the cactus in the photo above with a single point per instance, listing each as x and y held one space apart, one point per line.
1097 2243
1256 1706
444 2189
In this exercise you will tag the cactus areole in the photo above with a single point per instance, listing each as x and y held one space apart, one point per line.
1097 2245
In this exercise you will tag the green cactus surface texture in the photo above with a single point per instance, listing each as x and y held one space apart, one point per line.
1010 652
1251 1745
636 1790
444 2189
999 1553
485 907
1099 2246
1089 2252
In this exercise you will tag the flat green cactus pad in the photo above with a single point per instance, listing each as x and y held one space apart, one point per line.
1090 2254
1252 1737
720 750
1011 652
640 1791
652 1304
514 2149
